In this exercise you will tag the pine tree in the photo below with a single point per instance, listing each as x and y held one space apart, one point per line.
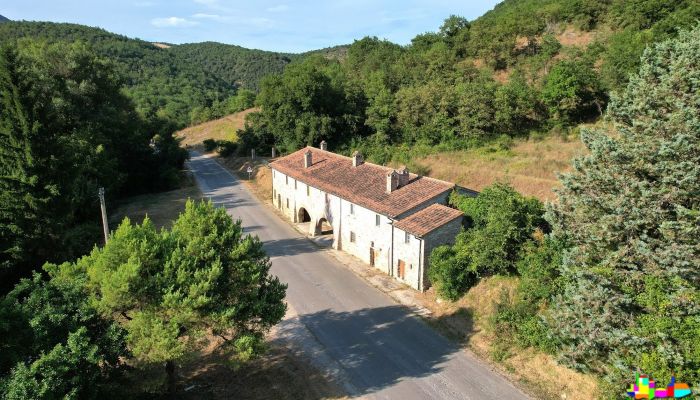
18 203
631 212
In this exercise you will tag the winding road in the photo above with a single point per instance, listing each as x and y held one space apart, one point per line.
372 346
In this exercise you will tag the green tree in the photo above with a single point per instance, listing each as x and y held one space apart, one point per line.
55 344
572 92
501 222
631 212
67 129
19 198
171 288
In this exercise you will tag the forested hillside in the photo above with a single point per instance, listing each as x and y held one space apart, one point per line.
168 82
66 129
526 66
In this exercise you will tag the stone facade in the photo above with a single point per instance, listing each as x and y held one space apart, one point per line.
365 233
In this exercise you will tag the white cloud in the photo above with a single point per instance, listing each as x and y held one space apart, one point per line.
213 17
279 8
172 22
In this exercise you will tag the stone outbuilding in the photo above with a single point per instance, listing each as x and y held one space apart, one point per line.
390 219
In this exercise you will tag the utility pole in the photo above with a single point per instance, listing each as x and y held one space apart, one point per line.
105 226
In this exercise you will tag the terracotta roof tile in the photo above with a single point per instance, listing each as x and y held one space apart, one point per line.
364 185
428 219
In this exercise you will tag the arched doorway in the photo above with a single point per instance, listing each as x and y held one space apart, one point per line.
303 215
323 227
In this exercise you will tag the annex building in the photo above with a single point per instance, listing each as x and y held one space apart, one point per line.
390 219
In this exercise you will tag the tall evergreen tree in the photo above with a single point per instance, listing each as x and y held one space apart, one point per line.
631 212
18 203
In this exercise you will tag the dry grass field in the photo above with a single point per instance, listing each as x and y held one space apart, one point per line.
162 208
530 166
219 129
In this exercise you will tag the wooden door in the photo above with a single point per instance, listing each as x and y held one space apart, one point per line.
371 256
402 269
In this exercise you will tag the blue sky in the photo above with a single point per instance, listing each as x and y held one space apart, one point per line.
279 25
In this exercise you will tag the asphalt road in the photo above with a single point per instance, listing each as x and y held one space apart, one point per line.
373 346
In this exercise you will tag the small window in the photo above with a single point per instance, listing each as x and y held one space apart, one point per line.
288 207
377 219
295 185
308 190
352 237
407 238
352 208
286 180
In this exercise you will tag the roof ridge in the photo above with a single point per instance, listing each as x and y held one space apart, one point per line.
386 168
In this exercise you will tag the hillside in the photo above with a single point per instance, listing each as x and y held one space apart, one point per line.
163 79
219 129
4 19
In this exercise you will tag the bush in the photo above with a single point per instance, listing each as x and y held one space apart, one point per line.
209 144
226 148
450 273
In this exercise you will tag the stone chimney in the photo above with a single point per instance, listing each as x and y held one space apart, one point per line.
307 159
324 145
392 181
403 176
357 159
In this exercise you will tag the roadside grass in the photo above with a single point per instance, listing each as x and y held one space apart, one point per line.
261 177
215 373
530 166
219 129
161 208
467 321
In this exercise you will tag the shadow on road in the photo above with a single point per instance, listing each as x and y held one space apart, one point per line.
378 347
289 247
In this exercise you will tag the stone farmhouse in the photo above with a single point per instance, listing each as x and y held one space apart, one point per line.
390 219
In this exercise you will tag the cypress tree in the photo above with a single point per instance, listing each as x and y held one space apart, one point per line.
18 204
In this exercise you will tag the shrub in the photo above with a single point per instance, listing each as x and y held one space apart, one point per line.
450 273
227 148
209 144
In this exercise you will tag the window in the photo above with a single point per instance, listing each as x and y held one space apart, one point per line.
308 190
407 238
352 208
352 237
288 207
295 185
377 220
286 180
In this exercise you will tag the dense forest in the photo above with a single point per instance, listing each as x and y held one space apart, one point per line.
174 83
526 67
66 128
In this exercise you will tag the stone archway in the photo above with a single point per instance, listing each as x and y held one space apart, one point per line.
303 215
323 227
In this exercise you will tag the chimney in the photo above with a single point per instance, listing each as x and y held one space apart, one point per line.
324 145
392 181
307 158
403 176
357 159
